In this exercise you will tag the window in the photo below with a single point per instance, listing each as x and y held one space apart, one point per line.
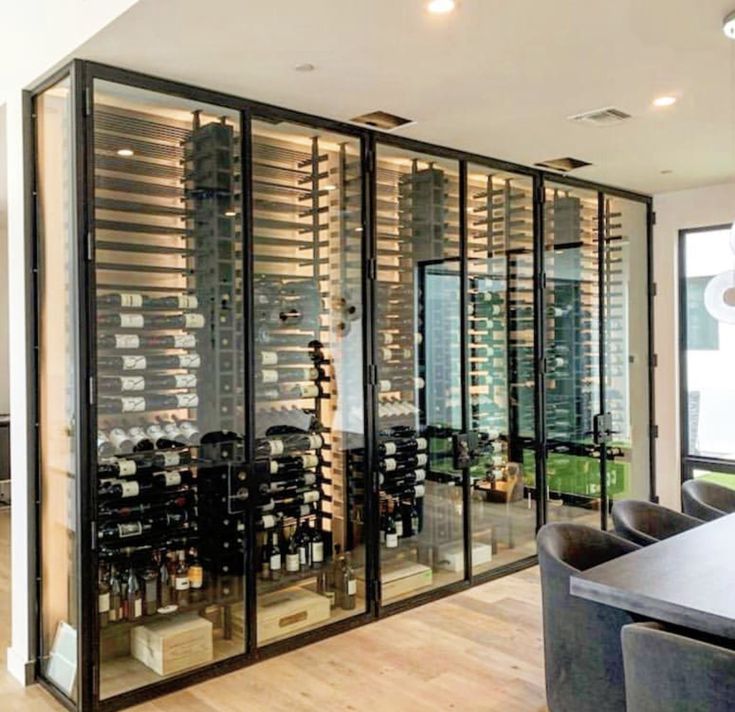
707 343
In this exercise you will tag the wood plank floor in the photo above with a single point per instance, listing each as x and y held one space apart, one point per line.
480 650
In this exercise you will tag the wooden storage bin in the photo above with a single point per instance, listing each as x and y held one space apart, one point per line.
174 645
398 578
286 612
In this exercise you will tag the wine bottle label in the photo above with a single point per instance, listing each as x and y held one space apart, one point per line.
171 479
384 386
389 464
387 337
268 358
132 321
419 382
419 490
420 475
171 459
275 447
138 608
129 529
127 341
132 405
421 443
315 442
185 380
292 562
352 587
187 400
415 525
181 582
132 383
399 526
390 448
302 554
190 361
196 576
304 510
188 301
126 468
133 363
421 459
308 390
310 479
131 300
308 461
317 551
275 562
385 352
104 602
118 436
129 489
418 337
269 521
185 341
193 321
269 376
273 467
391 540
311 496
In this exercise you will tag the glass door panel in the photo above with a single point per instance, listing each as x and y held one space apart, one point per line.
626 362
170 418
418 330
309 398
501 353
572 304
58 385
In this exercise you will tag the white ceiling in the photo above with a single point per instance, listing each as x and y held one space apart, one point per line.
496 77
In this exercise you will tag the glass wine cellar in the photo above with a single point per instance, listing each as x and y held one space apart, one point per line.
293 375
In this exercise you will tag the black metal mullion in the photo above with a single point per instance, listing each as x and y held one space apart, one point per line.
464 365
539 346
602 363
651 292
250 598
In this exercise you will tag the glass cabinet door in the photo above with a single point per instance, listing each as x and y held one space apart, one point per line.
501 365
418 331
169 385
309 393
572 303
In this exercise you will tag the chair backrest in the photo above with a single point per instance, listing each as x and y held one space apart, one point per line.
667 672
706 500
584 660
646 523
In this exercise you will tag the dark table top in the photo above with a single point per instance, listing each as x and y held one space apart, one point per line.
687 580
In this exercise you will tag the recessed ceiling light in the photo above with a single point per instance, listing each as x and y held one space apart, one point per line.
728 25
664 101
305 67
230 214
441 7
125 152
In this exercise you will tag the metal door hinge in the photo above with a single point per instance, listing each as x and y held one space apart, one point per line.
87 102
654 431
91 390
540 194
653 218
95 681
93 534
372 375
654 360
654 289
376 590
90 247
372 268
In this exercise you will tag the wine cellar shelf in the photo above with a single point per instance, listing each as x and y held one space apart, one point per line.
316 362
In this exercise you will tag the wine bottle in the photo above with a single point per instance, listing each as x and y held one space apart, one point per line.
120 299
117 467
301 483
178 301
348 586
135 341
391 533
274 557
103 597
104 447
303 545
135 598
292 555
164 580
141 441
277 445
293 464
196 572
175 321
181 581
150 590
121 321
317 547
115 597
120 441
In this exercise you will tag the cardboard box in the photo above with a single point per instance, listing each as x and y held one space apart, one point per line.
170 646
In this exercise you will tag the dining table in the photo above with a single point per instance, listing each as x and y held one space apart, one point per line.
687 580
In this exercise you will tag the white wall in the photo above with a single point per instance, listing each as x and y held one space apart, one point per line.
35 36
700 207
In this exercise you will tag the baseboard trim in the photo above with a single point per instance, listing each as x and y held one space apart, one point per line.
24 671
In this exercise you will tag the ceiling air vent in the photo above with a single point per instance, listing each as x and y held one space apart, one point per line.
564 165
381 120
601 117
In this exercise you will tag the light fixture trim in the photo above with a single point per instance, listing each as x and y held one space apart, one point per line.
125 152
441 7
664 101
728 25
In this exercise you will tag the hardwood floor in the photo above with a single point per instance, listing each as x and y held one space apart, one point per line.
480 650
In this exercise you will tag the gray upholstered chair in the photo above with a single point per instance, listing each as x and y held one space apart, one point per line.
646 523
706 500
668 672
584 659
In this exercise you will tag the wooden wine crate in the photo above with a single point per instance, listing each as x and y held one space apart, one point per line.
173 645
285 612
450 556
398 578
